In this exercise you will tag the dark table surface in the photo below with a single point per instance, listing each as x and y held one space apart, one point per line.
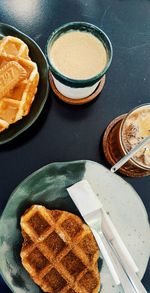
62 132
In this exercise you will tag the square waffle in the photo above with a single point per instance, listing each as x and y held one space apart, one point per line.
59 251
14 47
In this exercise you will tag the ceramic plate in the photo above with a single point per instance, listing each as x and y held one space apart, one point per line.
37 56
47 186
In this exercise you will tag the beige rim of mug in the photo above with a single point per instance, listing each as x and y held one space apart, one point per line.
121 138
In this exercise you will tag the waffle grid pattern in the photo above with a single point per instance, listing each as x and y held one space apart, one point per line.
59 251
14 47
16 102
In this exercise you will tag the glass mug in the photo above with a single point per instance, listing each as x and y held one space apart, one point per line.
123 134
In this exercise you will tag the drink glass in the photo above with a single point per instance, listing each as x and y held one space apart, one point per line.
122 134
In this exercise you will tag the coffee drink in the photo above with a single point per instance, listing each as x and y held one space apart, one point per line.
123 134
78 55
135 128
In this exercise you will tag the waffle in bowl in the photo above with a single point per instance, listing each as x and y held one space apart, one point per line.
14 47
16 96
59 251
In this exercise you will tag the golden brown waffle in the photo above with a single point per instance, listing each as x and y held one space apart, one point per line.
3 125
10 75
14 47
59 251
17 101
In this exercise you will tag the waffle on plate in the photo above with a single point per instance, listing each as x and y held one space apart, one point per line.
14 47
59 251
18 85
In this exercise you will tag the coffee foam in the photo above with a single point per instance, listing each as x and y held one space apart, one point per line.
135 129
78 55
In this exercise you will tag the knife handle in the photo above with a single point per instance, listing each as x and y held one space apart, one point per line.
121 251
110 231
116 270
106 255
128 279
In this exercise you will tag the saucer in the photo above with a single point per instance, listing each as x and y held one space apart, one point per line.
77 101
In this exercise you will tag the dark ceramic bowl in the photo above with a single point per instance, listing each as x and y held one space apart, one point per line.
84 27
37 56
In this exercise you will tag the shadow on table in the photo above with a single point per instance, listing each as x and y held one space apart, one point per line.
74 112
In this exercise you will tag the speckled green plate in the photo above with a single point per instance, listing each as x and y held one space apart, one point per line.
47 186
37 56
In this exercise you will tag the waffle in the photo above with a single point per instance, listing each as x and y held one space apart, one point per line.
17 100
14 47
10 74
59 251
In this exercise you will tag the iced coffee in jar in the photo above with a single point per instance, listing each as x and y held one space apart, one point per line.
123 134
